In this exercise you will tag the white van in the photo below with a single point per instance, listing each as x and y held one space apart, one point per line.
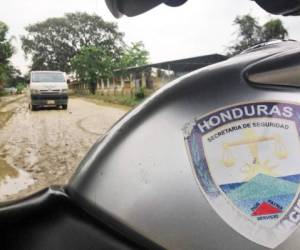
48 88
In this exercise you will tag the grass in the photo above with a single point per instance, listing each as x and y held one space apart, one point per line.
120 101
3 93
5 103
4 117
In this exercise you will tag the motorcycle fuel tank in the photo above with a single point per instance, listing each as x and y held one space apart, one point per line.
210 161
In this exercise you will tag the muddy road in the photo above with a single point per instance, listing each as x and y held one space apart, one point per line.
42 148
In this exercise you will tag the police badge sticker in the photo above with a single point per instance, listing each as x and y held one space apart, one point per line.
246 159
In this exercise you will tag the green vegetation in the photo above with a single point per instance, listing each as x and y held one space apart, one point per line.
251 33
9 75
92 64
20 87
54 42
3 93
134 56
139 93
123 100
6 51
4 118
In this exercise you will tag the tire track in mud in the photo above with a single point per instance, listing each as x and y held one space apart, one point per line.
79 125
49 144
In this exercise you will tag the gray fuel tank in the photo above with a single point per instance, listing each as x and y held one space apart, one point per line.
144 174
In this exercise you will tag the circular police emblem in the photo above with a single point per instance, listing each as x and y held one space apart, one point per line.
246 159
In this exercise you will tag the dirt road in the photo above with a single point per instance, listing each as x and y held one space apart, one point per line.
42 148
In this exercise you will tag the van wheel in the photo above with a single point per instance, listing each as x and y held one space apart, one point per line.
65 106
34 108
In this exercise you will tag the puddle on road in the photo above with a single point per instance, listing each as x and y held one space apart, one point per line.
12 180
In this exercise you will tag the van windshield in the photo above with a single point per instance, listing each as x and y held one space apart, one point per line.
47 77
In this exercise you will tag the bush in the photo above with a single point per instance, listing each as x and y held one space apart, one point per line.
20 87
119 99
3 93
140 93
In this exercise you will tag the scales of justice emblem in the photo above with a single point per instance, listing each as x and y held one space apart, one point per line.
257 198
246 159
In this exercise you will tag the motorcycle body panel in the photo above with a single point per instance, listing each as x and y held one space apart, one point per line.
51 220
141 175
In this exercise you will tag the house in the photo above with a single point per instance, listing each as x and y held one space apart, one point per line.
150 76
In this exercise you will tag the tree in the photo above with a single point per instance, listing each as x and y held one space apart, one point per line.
53 43
248 33
274 29
251 33
14 77
6 51
134 55
92 64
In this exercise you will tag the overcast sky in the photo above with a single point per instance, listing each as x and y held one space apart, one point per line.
199 27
